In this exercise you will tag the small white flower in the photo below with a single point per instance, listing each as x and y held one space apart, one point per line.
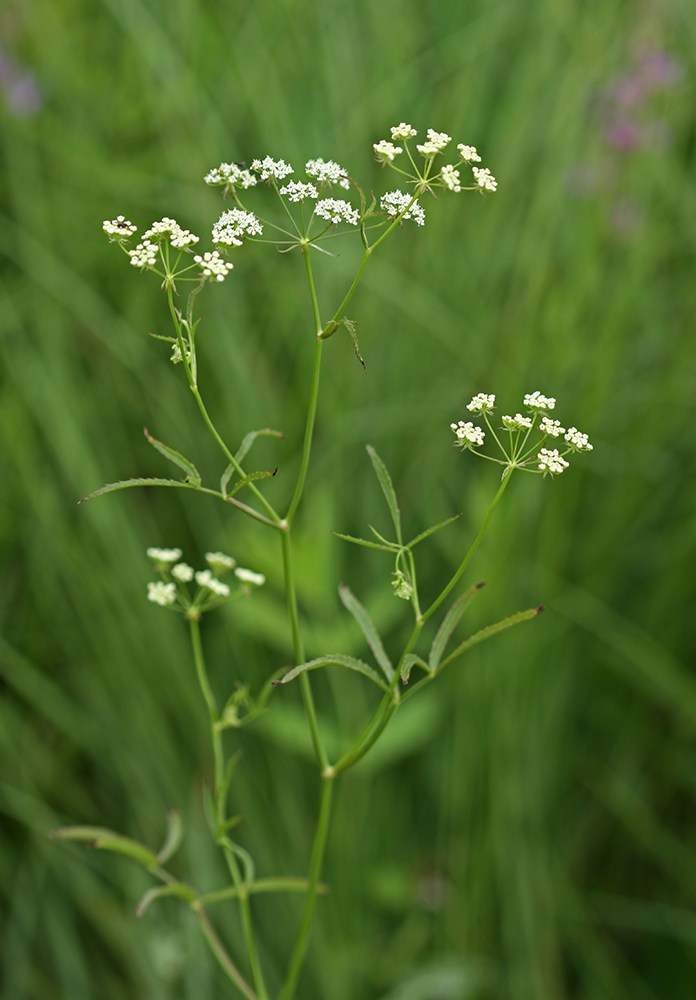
219 562
481 403
485 179
468 434
204 578
450 178
468 153
402 131
552 427
164 555
535 401
232 175
119 228
248 576
213 266
517 423
234 225
161 593
337 210
386 151
178 237
436 142
394 203
577 440
272 169
551 461
326 172
182 572
144 255
297 191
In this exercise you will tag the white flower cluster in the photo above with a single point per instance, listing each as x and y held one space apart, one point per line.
394 203
481 403
144 255
164 556
326 172
219 562
182 572
386 151
450 178
435 143
204 578
485 179
552 427
178 237
297 191
337 210
248 576
468 153
517 423
172 589
551 461
402 131
536 401
233 225
270 169
213 266
161 593
119 228
468 434
231 174
577 440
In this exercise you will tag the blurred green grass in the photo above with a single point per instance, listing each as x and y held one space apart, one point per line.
529 832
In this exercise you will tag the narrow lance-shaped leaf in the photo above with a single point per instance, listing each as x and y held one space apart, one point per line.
127 483
178 889
392 546
251 437
450 622
172 841
174 456
350 327
251 478
338 659
387 488
431 531
107 840
410 660
368 629
363 541
490 630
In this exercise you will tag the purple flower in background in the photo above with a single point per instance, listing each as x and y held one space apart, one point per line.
20 89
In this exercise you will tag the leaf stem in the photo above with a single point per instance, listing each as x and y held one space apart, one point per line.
222 956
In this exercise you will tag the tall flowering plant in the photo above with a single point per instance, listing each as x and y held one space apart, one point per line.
308 217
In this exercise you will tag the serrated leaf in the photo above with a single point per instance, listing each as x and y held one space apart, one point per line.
362 541
251 478
392 546
339 660
410 660
125 484
449 623
361 616
350 327
387 488
430 531
174 456
251 437
178 889
490 630
175 834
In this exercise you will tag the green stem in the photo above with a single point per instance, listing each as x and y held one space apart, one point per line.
370 736
309 431
247 926
297 958
223 958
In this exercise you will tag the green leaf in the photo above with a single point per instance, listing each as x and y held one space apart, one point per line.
107 840
362 541
410 660
339 660
175 834
251 437
252 477
350 327
449 623
361 616
430 531
387 488
126 483
225 827
486 633
178 889
174 456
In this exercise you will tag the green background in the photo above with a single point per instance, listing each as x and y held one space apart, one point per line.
528 830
